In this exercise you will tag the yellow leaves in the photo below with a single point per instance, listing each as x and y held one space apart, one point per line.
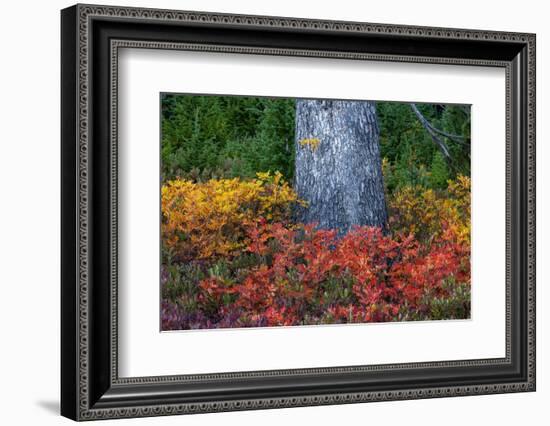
207 219
265 176
313 143
427 213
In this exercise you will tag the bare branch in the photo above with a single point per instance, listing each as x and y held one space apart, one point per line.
456 138
433 133
431 129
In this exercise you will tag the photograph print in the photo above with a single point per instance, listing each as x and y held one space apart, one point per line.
301 212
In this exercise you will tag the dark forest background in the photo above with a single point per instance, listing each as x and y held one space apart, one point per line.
207 137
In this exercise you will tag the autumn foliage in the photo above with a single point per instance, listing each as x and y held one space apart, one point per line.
233 257
428 213
201 220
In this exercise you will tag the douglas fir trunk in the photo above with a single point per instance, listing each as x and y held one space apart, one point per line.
338 165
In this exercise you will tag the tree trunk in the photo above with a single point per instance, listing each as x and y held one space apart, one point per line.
338 165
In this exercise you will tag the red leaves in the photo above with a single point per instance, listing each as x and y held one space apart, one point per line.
257 291
300 269
282 316
214 288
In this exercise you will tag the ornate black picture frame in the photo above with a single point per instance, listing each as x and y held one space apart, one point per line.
91 36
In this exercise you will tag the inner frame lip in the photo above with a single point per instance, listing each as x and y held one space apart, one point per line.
115 45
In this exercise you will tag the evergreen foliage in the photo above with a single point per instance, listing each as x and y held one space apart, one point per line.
207 137
226 136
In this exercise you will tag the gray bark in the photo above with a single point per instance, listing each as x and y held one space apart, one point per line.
338 164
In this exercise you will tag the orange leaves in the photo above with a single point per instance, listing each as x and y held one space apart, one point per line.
299 267
247 263
257 291
203 220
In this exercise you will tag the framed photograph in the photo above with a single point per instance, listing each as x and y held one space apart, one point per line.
263 212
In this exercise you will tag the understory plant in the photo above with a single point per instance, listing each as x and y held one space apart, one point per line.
270 271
